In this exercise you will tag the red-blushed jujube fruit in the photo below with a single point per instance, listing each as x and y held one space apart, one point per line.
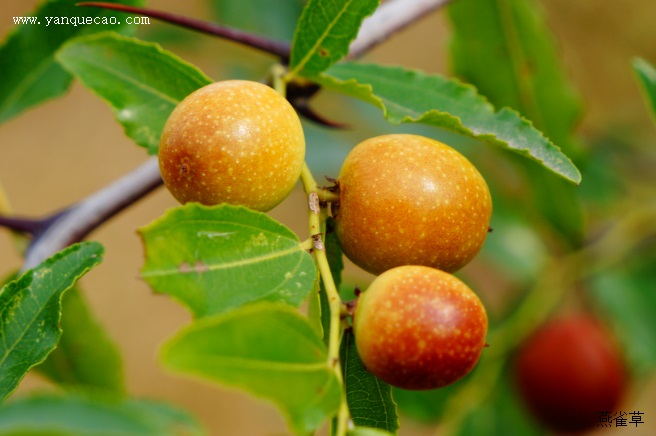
410 200
236 142
417 327
568 372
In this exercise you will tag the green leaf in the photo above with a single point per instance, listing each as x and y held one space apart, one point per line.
324 33
28 69
85 356
30 309
267 349
56 415
369 399
647 76
315 309
408 96
216 258
511 38
140 81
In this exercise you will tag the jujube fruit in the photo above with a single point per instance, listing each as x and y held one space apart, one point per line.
410 200
235 142
417 327
568 372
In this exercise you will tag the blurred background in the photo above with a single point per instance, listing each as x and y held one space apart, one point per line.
59 152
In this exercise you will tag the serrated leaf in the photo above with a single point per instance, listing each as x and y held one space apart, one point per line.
56 415
409 96
324 33
85 356
512 39
30 309
267 349
216 258
139 80
28 69
647 76
369 398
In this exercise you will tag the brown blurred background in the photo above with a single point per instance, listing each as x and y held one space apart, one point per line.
61 151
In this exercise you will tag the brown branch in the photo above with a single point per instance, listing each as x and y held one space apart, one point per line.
267 45
75 223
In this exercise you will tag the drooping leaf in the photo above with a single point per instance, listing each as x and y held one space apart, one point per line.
30 309
369 398
408 96
28 69
85 356
73 415
647 76
216 258
324 33
140 81
267 349
511 39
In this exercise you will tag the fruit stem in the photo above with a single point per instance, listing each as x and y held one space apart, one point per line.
327 196
334 300
316 224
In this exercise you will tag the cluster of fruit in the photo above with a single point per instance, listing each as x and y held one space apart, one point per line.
410 209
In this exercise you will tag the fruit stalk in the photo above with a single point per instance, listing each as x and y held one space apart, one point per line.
334 300
316 236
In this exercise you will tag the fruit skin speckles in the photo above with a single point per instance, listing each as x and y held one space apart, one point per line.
568 371
236 142
411 200
419 328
